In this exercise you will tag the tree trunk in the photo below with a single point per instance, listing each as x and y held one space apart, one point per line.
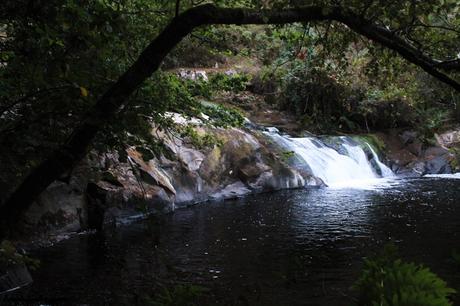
150 59
177 8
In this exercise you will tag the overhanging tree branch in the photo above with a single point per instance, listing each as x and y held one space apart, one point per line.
449 64
150 59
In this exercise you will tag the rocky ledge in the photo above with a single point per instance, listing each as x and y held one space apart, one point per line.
409 156
108 189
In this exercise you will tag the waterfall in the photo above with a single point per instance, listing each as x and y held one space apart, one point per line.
386 172
339 162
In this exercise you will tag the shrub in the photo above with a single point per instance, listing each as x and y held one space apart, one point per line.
431 120
313 92
376 112
223 116
199 141
388 281
198 87
229 82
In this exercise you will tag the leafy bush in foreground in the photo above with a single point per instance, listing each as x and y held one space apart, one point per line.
388 281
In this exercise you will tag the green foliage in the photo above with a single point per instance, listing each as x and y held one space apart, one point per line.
10 257
431 119
286 155
229 82
164 92
388 281
199 88
200 141
223 116
377 144
57 58
380 90
180 295
313 95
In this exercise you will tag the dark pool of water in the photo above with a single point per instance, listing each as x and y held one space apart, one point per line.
302 247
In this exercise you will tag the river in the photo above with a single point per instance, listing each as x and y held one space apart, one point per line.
297 247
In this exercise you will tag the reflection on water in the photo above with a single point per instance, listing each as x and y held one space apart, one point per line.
300 247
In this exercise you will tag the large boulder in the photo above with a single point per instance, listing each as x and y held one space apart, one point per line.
438 165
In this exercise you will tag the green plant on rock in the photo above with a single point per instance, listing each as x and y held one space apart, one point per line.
223 116
286 155
377 144
229 82
388 281
199 140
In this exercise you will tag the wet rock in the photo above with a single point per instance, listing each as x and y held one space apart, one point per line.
408 136
235 190
335 143
189 186
416 148
251 171
190 158
394 167
409 158
433 152
60 206
313 181
151 169
416 168
438 165
375 167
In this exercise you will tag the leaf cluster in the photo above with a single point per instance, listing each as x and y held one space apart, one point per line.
387 280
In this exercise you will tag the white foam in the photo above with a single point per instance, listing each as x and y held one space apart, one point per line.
349 170
446 176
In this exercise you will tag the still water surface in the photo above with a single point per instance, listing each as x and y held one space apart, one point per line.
302 247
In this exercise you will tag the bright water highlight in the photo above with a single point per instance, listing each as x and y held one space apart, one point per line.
347 166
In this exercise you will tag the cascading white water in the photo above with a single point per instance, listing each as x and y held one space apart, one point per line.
386 172
351 168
